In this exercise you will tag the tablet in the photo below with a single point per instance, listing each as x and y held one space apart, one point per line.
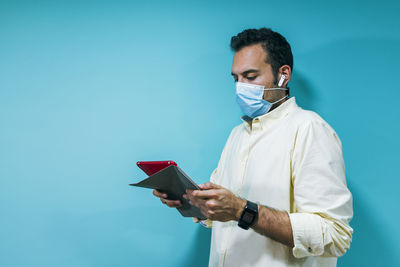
174 182
152 167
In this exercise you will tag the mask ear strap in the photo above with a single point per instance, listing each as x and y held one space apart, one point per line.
275 88
280 100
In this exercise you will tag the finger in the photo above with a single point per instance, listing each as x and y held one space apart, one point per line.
189 194
211 204
204 212
205 194
164 200
208 213
197 202
210 185
192 199
173 203
159 194
204 186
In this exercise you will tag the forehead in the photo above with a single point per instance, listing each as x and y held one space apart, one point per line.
249 57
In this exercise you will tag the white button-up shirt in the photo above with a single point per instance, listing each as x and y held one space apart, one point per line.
289 159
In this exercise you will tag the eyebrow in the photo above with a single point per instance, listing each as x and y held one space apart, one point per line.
247 72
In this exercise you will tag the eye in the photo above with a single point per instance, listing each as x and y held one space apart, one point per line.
251 78
235 78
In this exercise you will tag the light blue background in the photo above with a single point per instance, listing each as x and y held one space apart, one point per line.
87 88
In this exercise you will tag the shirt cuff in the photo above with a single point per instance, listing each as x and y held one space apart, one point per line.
307 235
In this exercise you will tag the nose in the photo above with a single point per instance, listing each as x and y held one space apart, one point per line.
241 79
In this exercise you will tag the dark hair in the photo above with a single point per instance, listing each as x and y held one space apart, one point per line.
275 45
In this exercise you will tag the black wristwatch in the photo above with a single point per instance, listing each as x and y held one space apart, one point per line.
249 215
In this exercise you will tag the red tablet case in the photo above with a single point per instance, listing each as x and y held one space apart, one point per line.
152 167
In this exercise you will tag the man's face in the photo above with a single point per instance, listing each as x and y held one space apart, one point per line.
249 66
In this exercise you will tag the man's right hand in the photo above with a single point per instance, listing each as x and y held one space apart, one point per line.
164 199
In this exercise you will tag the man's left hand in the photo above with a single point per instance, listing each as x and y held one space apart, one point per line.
216 202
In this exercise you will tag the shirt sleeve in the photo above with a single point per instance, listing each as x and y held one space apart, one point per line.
323 204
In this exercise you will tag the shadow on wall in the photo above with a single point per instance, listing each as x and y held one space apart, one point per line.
306 96
199 254
374 59
368 248
355 90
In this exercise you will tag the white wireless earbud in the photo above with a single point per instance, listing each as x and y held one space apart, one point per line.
281 80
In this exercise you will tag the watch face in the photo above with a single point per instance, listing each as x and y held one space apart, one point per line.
248 217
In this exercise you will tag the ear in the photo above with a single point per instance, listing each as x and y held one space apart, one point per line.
287 71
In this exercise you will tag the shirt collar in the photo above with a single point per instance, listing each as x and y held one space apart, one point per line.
276 114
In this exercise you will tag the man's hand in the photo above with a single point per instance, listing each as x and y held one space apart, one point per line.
219 204
216 202
164 199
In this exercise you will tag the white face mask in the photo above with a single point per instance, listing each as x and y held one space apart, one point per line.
250 99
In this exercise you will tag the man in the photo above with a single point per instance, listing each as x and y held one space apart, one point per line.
278 196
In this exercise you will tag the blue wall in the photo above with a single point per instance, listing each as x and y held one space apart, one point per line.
87 88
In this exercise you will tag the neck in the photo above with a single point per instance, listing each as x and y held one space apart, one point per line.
274 106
